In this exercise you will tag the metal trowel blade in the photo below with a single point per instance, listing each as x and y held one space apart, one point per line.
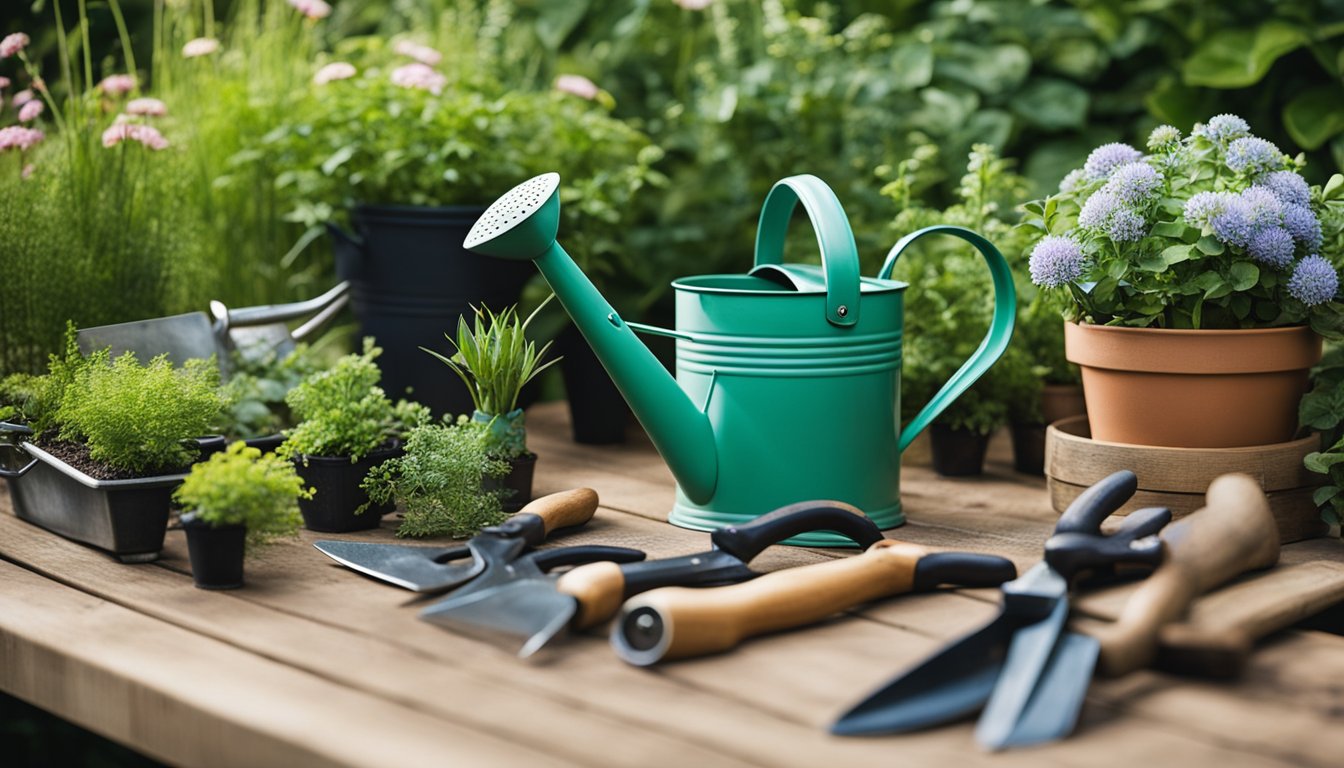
520 616
419 569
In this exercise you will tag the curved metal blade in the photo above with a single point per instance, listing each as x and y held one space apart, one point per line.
948 686
1052 711
419 569
1027 658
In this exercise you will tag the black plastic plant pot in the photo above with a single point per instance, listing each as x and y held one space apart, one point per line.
1028 447
337 494
216 553
517 485
597 411
410 281
957 452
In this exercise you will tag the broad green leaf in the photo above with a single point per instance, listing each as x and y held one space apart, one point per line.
1210 246
1171 101
1323 494
1173 229
1244 275
1153 262
1333 188
1051 103
1238 58
911 66
337 159
1322 462
1207 281
1315 115
1176 254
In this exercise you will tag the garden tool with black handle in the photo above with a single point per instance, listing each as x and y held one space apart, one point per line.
1233 533
1013 648
675 623
524 609
435 569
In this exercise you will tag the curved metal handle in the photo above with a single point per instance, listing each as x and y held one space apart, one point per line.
274 313
15 474
839 254
996 339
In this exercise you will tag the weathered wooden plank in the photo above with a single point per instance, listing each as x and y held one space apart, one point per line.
189 700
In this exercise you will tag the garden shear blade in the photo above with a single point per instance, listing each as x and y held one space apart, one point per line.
436 569
1001 662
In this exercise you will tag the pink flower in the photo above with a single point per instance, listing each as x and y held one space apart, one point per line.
146 135
117 85
577 85
12 44
201 46
20 138
336 70
4 83
419 76
29 112
27 171
146 107
421 53
313 9
693 5
22 97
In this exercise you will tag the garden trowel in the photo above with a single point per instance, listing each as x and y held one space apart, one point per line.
523 608
436 569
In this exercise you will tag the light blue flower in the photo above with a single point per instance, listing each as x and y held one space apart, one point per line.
1232 225
1098 208
1134 183
1202 207
1126 226
1163 137
1303 225
1252 156
1314 281
1272 246
1263 208
1223 128
1107 158
1075 179
1289 186
1055 261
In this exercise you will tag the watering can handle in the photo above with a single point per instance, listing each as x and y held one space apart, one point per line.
839 254
996 339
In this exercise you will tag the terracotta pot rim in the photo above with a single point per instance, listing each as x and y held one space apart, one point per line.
1187 351
1067 430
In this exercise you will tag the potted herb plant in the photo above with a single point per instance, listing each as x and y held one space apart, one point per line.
108 440
494 359
1322 410
237 497
447 483
1199 280
451 140
346 426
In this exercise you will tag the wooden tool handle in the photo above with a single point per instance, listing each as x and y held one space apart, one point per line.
701 621
598 588
563 509
1234 532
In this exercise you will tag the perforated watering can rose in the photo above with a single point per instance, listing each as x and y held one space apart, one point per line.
788 377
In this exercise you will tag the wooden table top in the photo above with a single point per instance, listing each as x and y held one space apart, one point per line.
311 664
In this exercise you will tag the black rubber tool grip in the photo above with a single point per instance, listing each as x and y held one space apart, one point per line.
963 569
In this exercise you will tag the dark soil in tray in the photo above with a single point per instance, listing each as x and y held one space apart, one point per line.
77 456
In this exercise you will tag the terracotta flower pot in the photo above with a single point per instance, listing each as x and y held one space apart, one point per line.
1192 389
1061 401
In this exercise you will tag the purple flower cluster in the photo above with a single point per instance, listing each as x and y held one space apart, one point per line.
1253 156
1105 210
20 138
1107 158
1134 183
1055 261
1303 225
1232 224
1289 187
1223 128
1075 179
1314 281
1263 208
1273 246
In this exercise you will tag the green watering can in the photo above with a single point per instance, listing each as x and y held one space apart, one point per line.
788 378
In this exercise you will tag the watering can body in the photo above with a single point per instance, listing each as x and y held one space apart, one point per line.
787 378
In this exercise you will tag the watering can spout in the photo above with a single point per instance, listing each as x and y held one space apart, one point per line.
523 225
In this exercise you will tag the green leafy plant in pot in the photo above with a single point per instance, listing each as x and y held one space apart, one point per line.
495 359
347 425
107 440
1199 279
236 497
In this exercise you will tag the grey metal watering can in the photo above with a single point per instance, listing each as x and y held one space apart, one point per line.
788 377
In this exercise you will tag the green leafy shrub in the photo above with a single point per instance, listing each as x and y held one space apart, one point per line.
242 486
1322 410
257 390
137 417
439 482
343 411
495 359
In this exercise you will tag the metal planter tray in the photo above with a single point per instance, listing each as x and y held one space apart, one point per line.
127 518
